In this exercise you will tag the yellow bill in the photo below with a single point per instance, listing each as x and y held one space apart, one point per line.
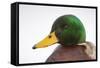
49 40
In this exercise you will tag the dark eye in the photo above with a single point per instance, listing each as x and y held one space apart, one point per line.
66 26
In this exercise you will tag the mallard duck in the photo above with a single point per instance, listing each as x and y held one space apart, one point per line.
67 30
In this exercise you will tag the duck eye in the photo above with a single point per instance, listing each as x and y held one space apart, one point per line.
66 26
50 36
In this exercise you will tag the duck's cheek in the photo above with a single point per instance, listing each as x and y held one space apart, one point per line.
59 36
65 38
58 31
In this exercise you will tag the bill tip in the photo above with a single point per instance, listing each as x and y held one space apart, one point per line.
33 47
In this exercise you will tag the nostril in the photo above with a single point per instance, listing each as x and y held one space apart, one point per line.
50 36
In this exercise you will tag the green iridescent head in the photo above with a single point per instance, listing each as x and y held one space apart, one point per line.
69 30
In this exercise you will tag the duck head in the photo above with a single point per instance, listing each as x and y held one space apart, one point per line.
66 30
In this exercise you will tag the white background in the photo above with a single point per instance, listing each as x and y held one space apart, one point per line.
35 23
5 34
